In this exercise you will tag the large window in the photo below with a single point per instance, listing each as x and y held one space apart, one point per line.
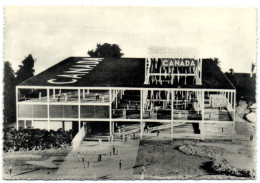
63 111
91 111
40 111
25 111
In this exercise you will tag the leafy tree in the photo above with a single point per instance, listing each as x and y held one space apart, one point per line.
26 70
9 94
106 50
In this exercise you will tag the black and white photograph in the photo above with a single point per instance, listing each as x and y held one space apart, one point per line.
129 93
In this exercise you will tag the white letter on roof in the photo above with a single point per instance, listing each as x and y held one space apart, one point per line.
77 71
75 76
85 66
88 62
53 81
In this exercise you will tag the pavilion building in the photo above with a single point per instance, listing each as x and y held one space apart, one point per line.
173 92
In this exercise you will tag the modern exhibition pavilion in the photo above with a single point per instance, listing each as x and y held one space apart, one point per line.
172 93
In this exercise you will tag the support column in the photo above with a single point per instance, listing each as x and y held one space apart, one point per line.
171 115
141 113
83 94
110 128
53 90
116 99
141 130
79 108
63 125
24 123
202 116
234 115
110 112
48 107
17 121
113 127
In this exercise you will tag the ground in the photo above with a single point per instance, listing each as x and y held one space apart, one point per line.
16 165
165 160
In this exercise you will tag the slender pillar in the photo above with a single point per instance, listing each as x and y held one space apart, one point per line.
63 125
79 109
53 91
202 115
141 130
141 114
171 115
116 99
110 111
234 115
24 123
17 121
110 128
48 107
83 93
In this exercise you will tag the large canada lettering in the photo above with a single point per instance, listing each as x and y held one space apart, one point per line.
166 62
76 72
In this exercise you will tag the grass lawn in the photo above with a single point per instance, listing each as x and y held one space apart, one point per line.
161 158
16 161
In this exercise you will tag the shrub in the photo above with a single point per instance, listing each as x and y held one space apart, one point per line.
35 139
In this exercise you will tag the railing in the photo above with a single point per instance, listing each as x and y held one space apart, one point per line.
79 137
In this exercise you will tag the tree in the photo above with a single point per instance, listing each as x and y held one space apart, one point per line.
9 94
26 70
106 50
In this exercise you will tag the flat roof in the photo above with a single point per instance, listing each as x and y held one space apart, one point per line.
116 72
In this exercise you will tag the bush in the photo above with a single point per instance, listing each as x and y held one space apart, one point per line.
35 139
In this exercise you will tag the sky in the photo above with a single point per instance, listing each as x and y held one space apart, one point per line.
52 34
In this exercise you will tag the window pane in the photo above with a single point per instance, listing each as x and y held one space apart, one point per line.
25 111
40 111
70 111
101 112
56 111
87 111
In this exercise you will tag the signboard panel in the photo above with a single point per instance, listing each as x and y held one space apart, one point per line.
169 62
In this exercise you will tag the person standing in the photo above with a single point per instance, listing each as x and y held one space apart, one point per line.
120 164
78 156
114 150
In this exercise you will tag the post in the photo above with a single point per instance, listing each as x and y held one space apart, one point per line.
24 123
83 94
202 115
171 115
141 113
234 115
110 111
141 129
79 108
53 90
48 107
17 121
110 128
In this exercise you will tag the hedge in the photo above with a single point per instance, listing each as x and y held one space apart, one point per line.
35 139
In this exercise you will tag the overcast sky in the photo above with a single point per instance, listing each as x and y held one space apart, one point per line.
53 34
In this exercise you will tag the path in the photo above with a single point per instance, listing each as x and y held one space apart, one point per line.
108 168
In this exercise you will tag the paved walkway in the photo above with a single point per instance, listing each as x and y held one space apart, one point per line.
108 168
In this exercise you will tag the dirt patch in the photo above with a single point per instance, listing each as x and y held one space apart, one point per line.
15 166
163 159
221 165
